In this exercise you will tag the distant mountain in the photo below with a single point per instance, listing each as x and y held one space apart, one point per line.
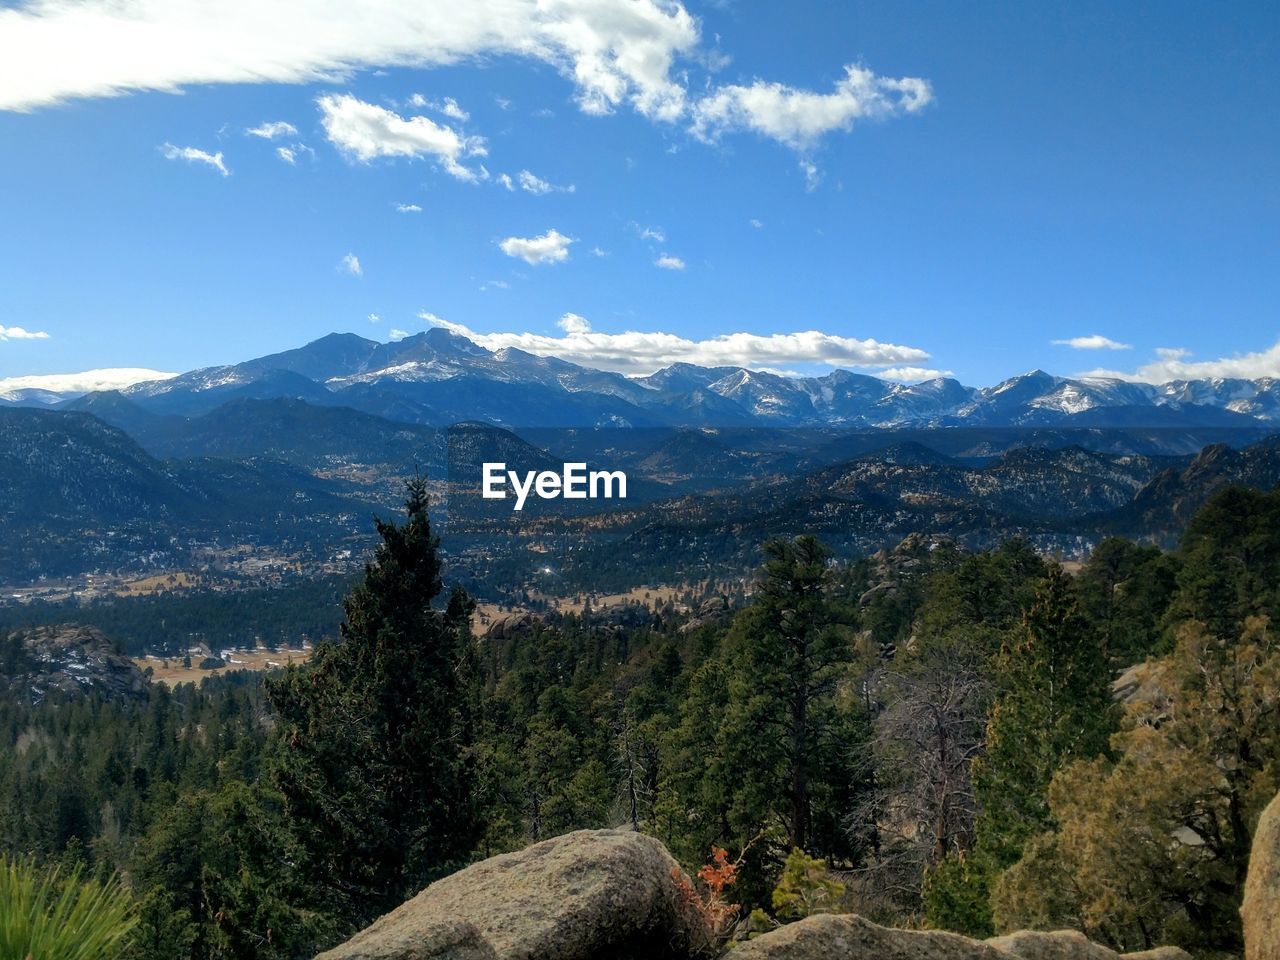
77 494
1164 506
439 377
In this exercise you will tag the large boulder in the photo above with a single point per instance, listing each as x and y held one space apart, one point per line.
1261 909
590 895
850 937
1072 945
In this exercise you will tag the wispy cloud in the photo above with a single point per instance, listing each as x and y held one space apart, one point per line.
530 183
637 353
448 106
408 208
550 247
351 264
668 262
364 132
195 155
19 333
655 234
272 130
1094 341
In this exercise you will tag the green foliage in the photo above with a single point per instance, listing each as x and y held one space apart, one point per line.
1156 844
48 915
1230 563
956 895
806 887
375 755
1124 591
218 865
786 719
1054 706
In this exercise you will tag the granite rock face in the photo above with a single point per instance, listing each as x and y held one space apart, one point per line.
68 660
589 895
1261 909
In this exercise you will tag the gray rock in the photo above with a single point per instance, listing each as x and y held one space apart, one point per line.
1261 908
391 939
849 937
588 895
71 660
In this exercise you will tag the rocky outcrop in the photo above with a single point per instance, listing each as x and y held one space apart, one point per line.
832 937
510 625
589 895
1261 909
1072 945
68 660
848 937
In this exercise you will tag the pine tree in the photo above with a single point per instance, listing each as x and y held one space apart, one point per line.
790 734
375 748
1054 706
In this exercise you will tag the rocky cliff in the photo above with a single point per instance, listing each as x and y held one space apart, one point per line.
66 660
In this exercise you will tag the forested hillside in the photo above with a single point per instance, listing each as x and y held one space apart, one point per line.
925 736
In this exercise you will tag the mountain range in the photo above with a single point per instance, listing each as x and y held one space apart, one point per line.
439 377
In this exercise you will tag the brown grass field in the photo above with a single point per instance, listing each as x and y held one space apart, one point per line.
175 673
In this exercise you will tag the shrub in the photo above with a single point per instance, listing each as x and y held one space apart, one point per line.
48 916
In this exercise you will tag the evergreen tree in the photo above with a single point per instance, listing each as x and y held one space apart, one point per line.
1054 706
792 723
375 752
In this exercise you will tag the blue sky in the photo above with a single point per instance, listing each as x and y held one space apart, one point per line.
996 178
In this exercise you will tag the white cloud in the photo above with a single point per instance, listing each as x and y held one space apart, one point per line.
799 118
912 374
506 181
572 323
755 223
374 318
1173 363
351 264
599 252
365 131
193 155
636 54
614 53
408 208
1094 341
89 380
637 353
287 154
273 129
550 247
18 333
395 333
668 262
536 185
